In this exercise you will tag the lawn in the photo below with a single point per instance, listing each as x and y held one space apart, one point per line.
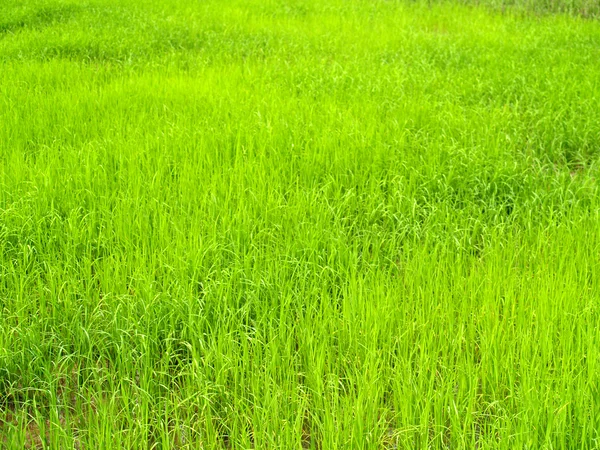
299 224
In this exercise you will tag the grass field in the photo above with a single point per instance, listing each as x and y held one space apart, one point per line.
288 224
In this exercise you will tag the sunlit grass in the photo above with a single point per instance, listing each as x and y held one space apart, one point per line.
303 224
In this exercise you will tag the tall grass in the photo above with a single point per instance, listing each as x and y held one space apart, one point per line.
300 224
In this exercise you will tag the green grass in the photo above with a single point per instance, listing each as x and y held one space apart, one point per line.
351 224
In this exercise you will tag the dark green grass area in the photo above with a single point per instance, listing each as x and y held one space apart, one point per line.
299 224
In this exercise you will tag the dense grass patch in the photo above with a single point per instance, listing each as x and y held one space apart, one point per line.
581 8
301 224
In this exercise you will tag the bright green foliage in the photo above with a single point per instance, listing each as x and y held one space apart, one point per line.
582 8
287 224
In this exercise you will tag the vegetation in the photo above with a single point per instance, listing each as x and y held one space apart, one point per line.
299 224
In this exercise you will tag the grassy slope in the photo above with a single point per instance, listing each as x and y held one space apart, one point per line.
276 224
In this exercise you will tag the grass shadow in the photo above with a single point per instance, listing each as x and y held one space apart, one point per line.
37 19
